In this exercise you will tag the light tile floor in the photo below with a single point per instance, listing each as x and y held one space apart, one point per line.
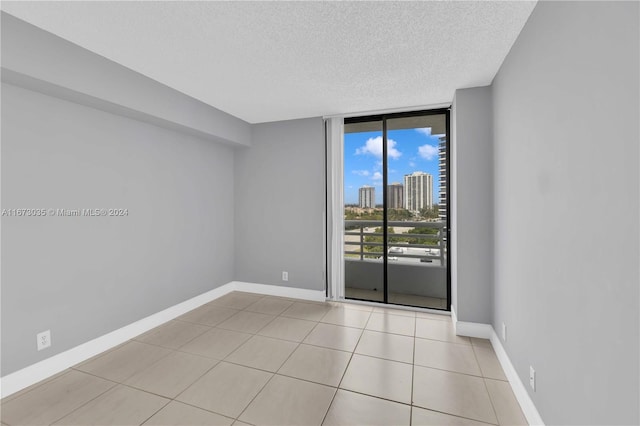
262 360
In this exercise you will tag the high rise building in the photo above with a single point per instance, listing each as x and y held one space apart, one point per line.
367 197
418 191
442 172
395 196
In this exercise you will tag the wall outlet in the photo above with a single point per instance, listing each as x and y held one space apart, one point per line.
43 339
532 378
504 332
285 276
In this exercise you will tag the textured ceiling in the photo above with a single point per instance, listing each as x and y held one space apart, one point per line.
268 61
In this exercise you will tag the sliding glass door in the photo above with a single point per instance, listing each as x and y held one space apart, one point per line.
395 209
363 212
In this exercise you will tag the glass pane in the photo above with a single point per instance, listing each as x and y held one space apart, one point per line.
363 212
416 214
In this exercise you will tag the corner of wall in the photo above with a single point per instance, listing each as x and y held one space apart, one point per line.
453 206
472 204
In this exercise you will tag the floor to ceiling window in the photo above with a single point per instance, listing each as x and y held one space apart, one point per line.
395 172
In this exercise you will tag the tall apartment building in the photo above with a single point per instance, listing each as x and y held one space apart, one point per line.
395 196
367 197
418 191
442 173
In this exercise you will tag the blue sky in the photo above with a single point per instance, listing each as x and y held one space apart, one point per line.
409 150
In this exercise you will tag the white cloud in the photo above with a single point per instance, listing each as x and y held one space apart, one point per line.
373 146
428 152
412 164
361 172
392 151
377 176
427 132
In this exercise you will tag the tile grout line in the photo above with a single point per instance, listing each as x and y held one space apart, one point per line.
33 387
455 372
382 398
115 384
199 408
452 414
185 343
299 343
273 374
223 360
255 396
382 358
191 384
482 371
456 416
136 372
157 411
270 337
344 373
209 306
175 399
495 412
362 330
169 400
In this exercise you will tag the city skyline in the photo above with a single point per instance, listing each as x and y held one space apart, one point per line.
415 194
408 151
418 191
395 195
367 197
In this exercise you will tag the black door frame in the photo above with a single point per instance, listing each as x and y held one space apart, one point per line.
383 118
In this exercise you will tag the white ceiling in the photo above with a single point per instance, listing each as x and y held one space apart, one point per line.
268 61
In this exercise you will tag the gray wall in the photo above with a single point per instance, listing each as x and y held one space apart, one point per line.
76 134
566 179
38 59
279 205
82 277
472 205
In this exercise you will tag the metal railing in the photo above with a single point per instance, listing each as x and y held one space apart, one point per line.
400 247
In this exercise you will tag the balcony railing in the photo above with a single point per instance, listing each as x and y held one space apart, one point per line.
401 249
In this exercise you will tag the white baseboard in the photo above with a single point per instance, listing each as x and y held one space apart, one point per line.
470 329
454 318
473 329
526 403
32 374
486 331
275 290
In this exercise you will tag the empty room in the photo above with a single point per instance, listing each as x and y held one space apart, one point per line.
320 213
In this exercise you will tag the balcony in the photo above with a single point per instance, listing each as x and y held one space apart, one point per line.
417 262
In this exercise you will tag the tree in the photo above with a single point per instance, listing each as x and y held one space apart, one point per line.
374 239
424 241
430 213
399 214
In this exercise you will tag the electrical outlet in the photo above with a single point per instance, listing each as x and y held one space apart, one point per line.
43 340
532 378
504 332
285 276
